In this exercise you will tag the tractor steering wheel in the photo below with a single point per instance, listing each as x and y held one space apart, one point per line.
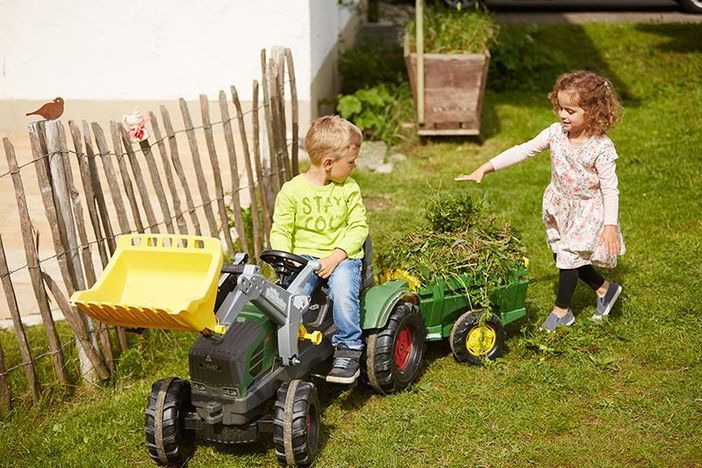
285 264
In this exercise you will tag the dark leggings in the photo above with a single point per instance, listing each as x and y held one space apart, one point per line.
568 278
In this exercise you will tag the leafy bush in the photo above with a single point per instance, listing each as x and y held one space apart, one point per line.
371 62
377 111
519 60
453 32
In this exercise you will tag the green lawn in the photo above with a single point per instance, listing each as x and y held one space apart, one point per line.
626 391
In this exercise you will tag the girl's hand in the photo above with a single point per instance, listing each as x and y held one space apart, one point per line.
478 174
608 236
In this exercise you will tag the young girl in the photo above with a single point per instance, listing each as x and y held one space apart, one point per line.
580 205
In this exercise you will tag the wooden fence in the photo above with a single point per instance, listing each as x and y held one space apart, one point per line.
116 185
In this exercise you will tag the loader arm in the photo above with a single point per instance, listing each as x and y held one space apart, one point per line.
285 307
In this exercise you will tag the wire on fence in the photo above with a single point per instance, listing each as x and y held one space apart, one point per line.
36 358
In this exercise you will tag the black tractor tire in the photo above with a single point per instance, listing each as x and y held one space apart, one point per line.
472 341
395 353
167 440
296 423
691 6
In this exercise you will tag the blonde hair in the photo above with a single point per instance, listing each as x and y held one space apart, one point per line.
330 136
595 94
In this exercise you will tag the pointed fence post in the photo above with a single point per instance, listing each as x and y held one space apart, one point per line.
180 220
197 165
25 352
274 181
178 167
94 182
234 172
138 177
124 172
249 174
295 113
65 195
111 177
267 201
209 139
57 358
158 186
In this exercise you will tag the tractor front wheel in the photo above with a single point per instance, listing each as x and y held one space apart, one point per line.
296 423
167 440
395 353
474 337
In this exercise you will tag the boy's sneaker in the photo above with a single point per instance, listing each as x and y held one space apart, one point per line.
553 321
346 368
605 304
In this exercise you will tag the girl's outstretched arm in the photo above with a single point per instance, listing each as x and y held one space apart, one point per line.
510 157
478 174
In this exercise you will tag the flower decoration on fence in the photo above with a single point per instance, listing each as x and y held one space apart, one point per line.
136 126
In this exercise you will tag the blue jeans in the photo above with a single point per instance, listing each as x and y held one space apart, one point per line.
345 292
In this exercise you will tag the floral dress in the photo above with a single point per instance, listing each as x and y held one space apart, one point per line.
581 198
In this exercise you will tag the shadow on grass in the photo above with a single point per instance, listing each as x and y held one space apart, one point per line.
258 448
682 38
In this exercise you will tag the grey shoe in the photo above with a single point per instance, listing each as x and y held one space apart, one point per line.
605 304
553 321
346 368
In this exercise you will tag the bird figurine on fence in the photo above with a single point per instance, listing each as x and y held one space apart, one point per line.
51 110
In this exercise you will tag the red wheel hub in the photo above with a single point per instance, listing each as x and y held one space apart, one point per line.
403 348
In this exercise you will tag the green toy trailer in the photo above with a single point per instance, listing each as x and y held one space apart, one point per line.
251 370
397 321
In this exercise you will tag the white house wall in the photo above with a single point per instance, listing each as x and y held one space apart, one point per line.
97 52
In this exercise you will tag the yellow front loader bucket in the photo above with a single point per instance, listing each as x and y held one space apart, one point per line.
157 281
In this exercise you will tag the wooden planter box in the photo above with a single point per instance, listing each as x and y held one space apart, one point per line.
454 85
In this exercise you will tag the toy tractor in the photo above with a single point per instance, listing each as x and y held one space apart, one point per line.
251 370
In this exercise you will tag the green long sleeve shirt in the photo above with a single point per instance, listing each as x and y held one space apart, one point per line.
314 220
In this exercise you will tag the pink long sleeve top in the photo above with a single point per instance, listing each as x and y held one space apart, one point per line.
576 172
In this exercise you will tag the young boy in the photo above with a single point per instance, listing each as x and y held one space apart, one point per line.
320 214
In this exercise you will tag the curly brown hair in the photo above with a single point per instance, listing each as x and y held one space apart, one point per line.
595 94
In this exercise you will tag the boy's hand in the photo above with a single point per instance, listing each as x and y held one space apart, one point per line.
330 262
608 236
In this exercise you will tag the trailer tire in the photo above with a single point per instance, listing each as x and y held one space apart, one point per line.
167 440
471 341
296 423
395 353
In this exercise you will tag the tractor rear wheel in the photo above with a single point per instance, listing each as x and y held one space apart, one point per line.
473 339
395 353
296 423
167 440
